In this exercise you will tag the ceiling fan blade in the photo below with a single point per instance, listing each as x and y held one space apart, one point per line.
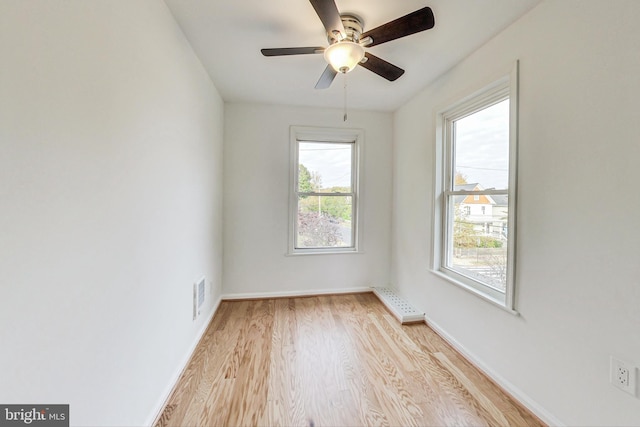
326 78
382 67
412 23
328 13
291 51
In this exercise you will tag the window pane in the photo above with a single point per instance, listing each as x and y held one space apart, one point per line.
324 222
481 148
478 239
324 167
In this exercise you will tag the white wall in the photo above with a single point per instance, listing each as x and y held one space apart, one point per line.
256 168
577 269
110 204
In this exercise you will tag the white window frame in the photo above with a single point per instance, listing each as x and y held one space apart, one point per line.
325 135
498 90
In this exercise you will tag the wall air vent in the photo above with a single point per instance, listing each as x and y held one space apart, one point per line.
200 293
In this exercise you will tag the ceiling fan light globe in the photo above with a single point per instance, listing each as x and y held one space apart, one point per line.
344 56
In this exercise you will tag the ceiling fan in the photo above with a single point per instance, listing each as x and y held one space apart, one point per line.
347 41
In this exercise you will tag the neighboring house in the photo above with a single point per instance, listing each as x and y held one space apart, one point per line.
488 214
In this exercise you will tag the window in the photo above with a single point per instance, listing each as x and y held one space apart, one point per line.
474 220
324 195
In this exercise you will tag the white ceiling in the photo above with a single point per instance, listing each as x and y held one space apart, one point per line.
227 35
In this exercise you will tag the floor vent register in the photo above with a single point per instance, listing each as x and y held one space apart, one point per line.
400 308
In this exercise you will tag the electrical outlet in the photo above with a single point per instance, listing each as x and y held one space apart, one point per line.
623 376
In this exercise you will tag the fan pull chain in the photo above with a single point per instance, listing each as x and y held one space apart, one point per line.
344 118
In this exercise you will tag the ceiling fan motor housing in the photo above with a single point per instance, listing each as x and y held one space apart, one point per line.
353 27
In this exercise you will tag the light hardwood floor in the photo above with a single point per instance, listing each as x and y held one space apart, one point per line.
330 361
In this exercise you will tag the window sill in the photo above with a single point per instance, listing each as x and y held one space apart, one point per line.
323 252
498 303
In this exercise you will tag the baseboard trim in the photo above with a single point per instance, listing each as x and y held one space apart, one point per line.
168 392
517 394
294 294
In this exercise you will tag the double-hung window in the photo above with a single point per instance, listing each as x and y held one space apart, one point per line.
324 194
474 219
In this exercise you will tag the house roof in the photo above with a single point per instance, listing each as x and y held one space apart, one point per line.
498 199
467 187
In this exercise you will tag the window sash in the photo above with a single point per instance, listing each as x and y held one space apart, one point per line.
335 193
353 234
448 240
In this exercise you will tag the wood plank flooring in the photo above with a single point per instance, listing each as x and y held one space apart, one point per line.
331 361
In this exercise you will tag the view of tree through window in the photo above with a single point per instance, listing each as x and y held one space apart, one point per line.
325 196
479 225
